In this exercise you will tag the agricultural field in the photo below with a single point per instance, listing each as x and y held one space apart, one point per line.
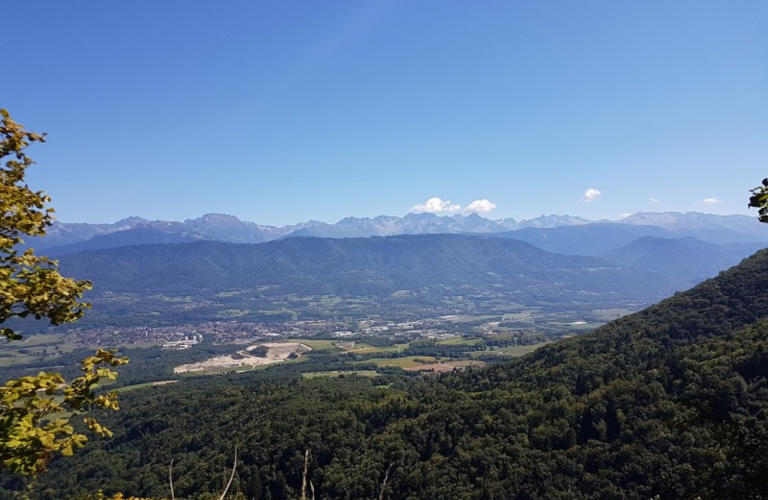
460 341
40 348
514 351
404 363
446 366
605 315
318 345
385 341
390 348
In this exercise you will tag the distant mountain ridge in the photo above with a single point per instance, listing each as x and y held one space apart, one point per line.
141 234
693 220
228 228
378 266
684 258
687 247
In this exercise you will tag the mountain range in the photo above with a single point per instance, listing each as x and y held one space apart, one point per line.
71 237
688 247
374 266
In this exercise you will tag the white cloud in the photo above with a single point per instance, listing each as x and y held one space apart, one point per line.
590 194
479 207
436 206
654 200
711 201
624 215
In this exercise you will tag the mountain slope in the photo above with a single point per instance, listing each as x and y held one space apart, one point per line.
599 239
141 234
671 402
684 258
364 266
60 233
588 239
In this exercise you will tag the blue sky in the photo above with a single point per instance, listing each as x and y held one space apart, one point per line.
284 111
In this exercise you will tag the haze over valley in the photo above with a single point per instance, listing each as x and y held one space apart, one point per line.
163 282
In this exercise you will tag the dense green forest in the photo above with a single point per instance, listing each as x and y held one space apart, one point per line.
669 402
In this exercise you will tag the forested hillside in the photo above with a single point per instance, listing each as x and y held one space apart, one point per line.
671 401
357 266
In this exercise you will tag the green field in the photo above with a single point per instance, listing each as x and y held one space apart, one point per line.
513 351
460 341
519 350
278 312
233 313
325 301
367 350
407 362
521 316
389 348
33 348
318 345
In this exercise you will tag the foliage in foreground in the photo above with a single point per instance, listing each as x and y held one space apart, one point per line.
35 410
30 433
759 200
30 285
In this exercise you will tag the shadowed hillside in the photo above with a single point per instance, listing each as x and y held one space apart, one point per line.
360 266
683 258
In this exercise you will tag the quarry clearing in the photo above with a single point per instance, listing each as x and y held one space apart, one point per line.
277 352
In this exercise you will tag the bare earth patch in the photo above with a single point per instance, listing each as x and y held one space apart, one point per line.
436 367
445 367
277 352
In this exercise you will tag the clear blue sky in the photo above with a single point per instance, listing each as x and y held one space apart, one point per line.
283 111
